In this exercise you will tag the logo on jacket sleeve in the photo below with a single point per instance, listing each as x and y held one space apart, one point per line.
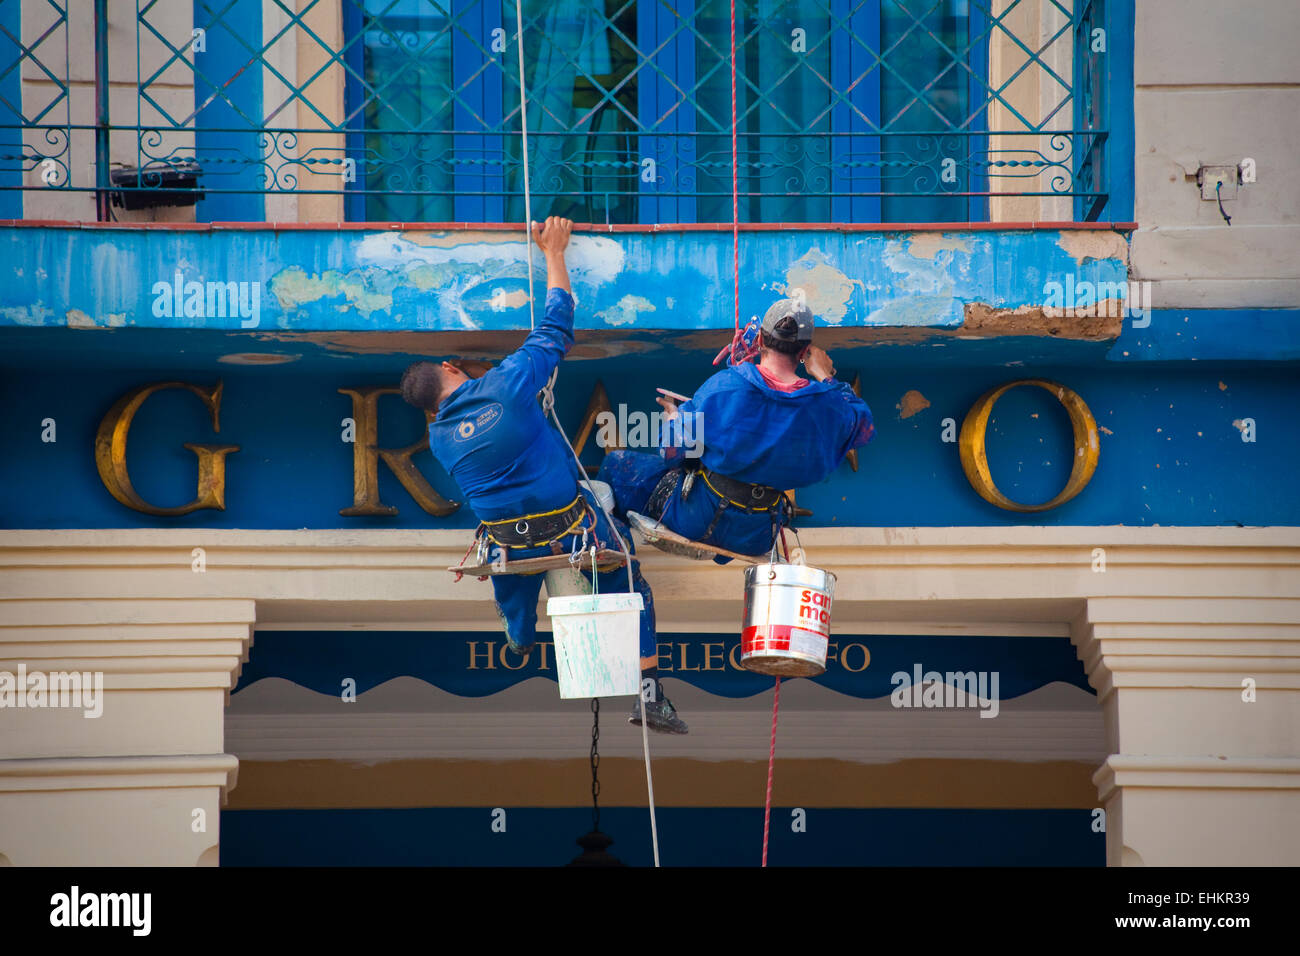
479 422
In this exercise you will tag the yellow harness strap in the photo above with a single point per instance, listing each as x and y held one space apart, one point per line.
513 522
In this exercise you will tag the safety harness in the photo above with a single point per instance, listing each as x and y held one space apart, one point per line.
732 493
536 530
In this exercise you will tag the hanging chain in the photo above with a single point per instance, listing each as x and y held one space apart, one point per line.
595 763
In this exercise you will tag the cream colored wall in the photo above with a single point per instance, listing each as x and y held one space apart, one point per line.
1034 94
1167 633
69 53
1216 82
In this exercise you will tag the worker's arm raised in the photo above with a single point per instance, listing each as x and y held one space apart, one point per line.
532 363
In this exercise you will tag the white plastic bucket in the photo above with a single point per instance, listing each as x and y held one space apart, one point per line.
604 493
597 644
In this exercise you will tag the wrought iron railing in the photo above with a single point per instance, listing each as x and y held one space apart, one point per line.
847 110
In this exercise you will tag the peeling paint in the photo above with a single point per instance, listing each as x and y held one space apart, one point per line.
926 245
911 403
933 310
918 276
78 319
488 346
366 290
36 314
626 310
1034 320
826 289
1085 244
452 280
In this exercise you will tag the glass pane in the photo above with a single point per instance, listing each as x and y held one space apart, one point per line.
924 89
408 110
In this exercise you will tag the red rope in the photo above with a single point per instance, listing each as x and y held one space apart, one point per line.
735 268
771 764
461 574
735 177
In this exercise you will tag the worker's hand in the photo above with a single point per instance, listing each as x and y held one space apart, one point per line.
553 236
669 407
818 364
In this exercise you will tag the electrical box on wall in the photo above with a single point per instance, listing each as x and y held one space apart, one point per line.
1217 182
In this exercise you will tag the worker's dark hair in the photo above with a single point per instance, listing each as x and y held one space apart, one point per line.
422 385
787 326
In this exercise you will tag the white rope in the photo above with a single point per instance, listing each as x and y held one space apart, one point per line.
548 403
528 199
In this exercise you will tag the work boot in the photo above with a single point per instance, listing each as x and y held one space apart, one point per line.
661 716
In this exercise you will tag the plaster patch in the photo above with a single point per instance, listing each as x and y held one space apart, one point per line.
591 259
25 315
450 239
80 320
510 300
922 310
926 245
911 403
826 289
986 321
1084 244
367 290
625 311
916 276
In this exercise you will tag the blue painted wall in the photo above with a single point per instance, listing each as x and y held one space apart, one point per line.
463 664
229 113
316 280
1170 453
11 98
688 836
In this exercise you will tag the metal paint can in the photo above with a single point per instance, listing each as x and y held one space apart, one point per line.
786 625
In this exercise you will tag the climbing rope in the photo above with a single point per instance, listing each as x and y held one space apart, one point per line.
771 765
595 764
735 183
735 269
548 405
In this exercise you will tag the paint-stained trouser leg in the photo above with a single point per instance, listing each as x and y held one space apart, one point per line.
616 581
516 602
632 475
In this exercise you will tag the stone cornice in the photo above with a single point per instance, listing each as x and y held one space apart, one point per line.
118 773
1197 773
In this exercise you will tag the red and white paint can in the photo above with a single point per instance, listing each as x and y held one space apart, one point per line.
787 621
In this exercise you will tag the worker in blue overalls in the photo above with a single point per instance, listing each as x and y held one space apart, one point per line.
518 476
749 432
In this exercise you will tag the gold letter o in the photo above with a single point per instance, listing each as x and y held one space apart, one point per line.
974 460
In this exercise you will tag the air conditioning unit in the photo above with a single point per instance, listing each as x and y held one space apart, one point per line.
171 184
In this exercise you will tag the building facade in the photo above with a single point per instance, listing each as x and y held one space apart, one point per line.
1051 242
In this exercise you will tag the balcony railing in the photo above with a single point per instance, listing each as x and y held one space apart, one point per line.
847 110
